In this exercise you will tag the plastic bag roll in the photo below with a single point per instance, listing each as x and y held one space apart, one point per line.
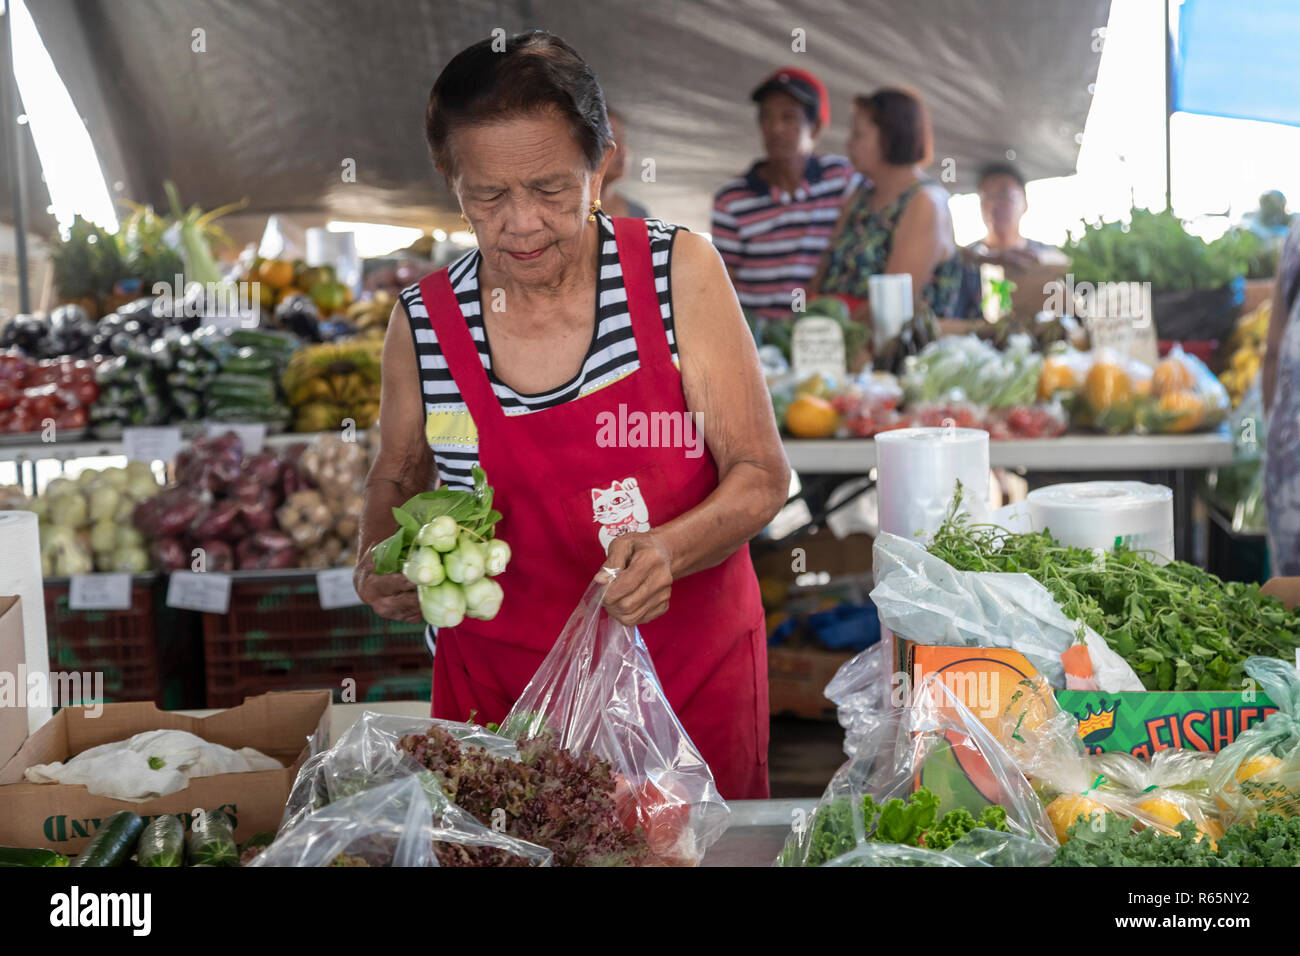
20 574
917 470
1102 514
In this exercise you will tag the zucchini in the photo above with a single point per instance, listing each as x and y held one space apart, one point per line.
17 856
162 843
114 841
212 840
270 341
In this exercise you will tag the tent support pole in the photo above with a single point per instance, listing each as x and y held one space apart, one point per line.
1169 110
18 179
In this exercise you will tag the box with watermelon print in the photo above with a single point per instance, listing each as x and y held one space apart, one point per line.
1139 722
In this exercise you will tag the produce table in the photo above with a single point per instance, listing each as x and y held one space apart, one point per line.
758 827
1163 459
98 448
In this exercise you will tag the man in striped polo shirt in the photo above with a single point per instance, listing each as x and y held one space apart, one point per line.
772 224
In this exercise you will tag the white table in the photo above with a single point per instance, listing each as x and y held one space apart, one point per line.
857 456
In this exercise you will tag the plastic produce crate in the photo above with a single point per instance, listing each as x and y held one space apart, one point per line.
120 645
276 636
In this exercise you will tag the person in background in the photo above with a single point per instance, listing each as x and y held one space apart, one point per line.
772 223
1002 206
613 202
898 220
1281 393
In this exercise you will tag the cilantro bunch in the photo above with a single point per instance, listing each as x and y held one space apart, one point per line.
1178 626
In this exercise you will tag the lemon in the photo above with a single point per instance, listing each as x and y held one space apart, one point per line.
1069 807
1261 763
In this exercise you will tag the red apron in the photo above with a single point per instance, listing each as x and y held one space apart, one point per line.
558 484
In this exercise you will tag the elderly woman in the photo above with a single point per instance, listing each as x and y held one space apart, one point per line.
514 355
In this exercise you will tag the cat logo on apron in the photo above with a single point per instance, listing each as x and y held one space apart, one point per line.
619 510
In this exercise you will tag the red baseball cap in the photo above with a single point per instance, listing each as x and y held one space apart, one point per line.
804 87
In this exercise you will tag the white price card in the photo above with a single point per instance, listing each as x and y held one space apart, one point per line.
336 589
99 592
817 348
151 444
207 591
252 436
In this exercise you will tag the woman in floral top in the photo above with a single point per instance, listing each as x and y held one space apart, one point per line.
898 222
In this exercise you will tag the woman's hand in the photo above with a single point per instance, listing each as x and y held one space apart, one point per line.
390 595
644 579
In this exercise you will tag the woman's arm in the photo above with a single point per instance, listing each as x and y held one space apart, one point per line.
724 386
922 239
402 468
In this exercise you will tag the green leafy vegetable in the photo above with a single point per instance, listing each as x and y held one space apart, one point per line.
1178 627
914 822
1273 841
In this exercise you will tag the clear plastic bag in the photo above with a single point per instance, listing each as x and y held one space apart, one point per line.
394 824
598 692
922 776
926 600
1043 739
861 690
1260 771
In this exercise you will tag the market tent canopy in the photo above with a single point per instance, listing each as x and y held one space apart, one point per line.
1238 60
271 100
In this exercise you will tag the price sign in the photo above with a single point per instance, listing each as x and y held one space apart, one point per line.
252 437
336 589
207 591
1119 317
817 348
151 444
99 592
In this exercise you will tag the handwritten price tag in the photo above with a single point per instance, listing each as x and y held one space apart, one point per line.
207 591
252 436
336 589
151 444
99 592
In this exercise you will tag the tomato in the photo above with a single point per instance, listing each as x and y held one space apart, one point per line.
72 418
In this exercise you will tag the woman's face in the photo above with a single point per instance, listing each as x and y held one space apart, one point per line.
865 147
524 185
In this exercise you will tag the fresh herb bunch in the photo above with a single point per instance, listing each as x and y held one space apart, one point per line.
1178 627
914 822
1273 841
551 797
1154 247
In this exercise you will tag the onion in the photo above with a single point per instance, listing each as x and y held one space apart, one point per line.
260 514
170 555
219 521
265 468
178 512
217 555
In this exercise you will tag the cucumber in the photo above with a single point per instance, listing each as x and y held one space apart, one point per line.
212 840
241 338
17 856
114 842
162 843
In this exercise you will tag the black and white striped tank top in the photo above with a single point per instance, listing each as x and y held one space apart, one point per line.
612 355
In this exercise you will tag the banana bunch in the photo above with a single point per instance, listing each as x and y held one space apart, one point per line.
335 381
1248 344
370 316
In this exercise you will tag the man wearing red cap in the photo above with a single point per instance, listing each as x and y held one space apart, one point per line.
772 224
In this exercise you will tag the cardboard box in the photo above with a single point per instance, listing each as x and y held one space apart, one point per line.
287 725
1138 722
13 698
796 677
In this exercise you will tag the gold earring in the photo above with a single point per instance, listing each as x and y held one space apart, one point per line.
595 208
465 220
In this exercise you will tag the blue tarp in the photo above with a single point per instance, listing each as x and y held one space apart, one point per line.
1239 59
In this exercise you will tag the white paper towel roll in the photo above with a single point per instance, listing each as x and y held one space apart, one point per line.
1101 514
917 470
20 573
